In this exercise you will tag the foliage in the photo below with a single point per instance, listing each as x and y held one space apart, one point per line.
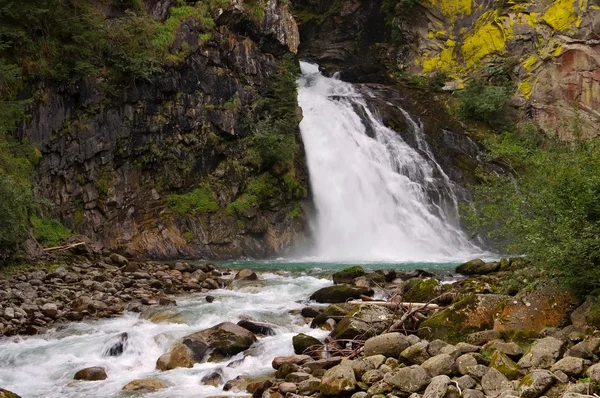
128 4
257 190
482 102
200 200
48 231
15 201
547 208
397 15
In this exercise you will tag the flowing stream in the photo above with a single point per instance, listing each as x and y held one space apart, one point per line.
376 198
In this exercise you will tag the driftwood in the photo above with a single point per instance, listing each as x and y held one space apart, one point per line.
387 304
66 247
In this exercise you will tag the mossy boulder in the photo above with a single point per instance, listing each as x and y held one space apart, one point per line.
347 275
364 320
421 290
475 312
505 365
339 294
477 267
304 343
219 342
7 394
334 311
337 381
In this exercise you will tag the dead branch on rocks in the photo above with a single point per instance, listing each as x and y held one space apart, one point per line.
66 247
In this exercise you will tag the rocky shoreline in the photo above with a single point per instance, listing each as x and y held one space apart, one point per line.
506 330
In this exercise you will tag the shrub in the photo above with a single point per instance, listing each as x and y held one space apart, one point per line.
49 232
15 200
200 200
548 208
482 102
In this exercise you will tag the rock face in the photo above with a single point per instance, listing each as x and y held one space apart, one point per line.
112 162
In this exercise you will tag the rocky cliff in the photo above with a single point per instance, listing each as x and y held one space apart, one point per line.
166 166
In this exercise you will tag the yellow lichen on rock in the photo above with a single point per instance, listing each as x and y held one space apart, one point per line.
526 87
452 9
490 38
443 61
530 62
562 15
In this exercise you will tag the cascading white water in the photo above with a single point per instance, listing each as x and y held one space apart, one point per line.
373 195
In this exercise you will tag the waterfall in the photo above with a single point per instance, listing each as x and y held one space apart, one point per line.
376 198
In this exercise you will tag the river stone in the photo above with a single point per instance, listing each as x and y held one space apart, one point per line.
437 388
410 379
347 275
364 320
144 385
305 344
469 393
465 382
179 357
466 348
483 337
309 386
246 274
510 349
372 376
442 364
118 259
416 354
116 345
477 267
572 366
7 394
334 311
594 373
338 380
494 383
91 374
286 387
326 363
214 379
360 394
543 354
266 329
387 344
505 365
465 361
294 359
535 384
339 294
50 310
297 377
379 389
219 342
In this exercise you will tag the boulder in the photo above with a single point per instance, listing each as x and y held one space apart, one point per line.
474 313
437 388
91 374
410 379
266 329
442 364
305 344
309 386
213 379
494 383
505 365
421 290
334 311
571 366
219 342
364 320
483 337
510 349
247 275
593 373
339 293
338 380
117 259
179 357
294 359
347 275
388 344
144 385
535 384
542 354
297 377
477 267
415 354
286 387
50 310
465 361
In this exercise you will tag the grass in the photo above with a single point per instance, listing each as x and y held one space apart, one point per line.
48 231
200 200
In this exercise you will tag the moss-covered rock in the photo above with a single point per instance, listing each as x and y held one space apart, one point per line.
347 275
7 394
505 365
339 294
334 311
304 343
473 313
477 267
421 290
364 320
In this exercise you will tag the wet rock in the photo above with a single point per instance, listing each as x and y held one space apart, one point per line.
116 345
364 320
416 354
305 344
477 267
266 329
214 379
387 344
543 354
179 357
219 342
258 387
310 312
210 299
91 374
338 380
347 275
339 294
442 364
535 384
144 386
410 379
494 383
246 274
437 388
240 383
571 366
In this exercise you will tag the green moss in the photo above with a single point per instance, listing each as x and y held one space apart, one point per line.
296 211
421 290
188 236
49 232
200 200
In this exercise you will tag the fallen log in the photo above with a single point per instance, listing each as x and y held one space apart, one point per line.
65 247
388 304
